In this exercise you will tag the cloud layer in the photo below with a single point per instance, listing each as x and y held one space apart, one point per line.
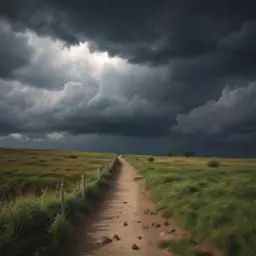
233 112
144 70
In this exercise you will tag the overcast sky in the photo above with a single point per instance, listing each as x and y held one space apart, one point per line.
131 76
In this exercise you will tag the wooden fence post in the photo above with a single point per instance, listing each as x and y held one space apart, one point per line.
99 173
62 198
83 186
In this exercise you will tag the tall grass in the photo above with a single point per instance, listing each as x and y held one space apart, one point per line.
34 226
218 205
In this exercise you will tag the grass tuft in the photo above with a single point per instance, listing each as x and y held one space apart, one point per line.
213 163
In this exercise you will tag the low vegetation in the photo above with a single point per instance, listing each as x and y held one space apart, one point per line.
151 159
28 171
217 205
31 220
213 163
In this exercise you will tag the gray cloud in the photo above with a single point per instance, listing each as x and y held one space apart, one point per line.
233 114
14 50
75 91
171 61
140 31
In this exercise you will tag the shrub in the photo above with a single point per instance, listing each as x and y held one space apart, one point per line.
151 159
170 154
213 163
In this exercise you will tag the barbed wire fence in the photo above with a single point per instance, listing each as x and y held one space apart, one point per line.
101 172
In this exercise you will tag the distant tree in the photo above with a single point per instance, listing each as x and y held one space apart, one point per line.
188 153
170 154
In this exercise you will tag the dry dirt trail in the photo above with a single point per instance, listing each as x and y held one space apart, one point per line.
124 204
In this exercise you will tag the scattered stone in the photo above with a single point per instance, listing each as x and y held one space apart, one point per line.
125 224
158 225
105 240
153 224
125 202
171 231
166 223
116 237
194 241
145 227
147 211
139 237
135 247
162 234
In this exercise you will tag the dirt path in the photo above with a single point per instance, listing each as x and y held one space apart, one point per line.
125 204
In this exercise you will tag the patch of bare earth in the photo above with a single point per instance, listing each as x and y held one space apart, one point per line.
125 222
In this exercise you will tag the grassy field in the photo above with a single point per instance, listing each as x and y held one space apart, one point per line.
30 219
27 171
217 204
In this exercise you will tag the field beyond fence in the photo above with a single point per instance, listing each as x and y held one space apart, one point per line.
42 191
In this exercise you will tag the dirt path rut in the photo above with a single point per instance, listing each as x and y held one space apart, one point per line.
123 214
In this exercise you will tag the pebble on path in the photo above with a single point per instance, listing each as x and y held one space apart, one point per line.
135 247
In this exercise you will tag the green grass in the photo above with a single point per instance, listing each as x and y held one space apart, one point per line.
218 205
183 246
31 224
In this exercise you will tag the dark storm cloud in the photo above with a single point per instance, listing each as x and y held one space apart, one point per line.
139 30
26 110
183 53
14 51
149 32
205 44
232 114
143 127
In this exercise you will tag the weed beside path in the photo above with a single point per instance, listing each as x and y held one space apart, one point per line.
217 204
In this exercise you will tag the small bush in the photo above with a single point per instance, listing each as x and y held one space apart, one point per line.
170 154
151 159
213 163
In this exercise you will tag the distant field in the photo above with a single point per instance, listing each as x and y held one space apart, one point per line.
24 171
217 204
